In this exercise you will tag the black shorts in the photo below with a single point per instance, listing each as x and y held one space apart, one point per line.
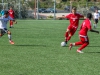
3 31
96 21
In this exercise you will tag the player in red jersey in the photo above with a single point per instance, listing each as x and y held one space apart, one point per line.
84 40
74 21
12 15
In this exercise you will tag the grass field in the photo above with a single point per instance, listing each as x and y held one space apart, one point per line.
37 51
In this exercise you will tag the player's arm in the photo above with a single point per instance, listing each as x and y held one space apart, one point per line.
62 17
94 31
13 20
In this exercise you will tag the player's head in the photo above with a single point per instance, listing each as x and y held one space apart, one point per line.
89 15
6 13
74 9
10 8
96 10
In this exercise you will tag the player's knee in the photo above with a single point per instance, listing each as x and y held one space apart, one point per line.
1 35
87 42
9 32
67 30
70 35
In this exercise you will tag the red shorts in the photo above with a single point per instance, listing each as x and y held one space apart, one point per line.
84 38
72 29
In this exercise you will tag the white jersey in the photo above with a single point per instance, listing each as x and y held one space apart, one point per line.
3 21
96 15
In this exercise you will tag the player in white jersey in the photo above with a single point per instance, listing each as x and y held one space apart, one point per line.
96 18
3 26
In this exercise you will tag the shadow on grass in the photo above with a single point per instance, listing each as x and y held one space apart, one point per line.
32 45
93 46
92 52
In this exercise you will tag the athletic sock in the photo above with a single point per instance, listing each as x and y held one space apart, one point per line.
66 36
83 46
9 36
78 43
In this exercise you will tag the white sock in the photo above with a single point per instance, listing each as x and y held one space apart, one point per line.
9 36
73 44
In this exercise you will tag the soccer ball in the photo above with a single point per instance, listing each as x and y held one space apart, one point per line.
63 44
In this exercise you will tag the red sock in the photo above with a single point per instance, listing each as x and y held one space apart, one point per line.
69 37
83 45
11 23
78 43
66 36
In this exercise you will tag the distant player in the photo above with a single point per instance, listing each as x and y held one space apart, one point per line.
12 15
3 26
84 40
96 17
74 21
2 12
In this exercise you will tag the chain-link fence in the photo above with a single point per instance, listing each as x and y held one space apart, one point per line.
36 9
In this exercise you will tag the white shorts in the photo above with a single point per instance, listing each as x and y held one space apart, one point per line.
3 31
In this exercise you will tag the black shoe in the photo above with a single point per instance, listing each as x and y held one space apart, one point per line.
66 42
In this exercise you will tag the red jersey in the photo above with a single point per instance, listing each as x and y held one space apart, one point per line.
86 25
11 13
74 19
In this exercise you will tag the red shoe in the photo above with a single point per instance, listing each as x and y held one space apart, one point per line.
11 42
70 46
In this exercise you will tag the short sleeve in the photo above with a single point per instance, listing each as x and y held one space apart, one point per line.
68 16
89 25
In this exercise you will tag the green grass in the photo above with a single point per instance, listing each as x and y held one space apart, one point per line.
37 51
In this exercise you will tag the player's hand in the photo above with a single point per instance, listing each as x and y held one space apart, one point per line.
15 22
85 17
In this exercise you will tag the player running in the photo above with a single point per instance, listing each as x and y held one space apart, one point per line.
74 21
3 26
96 18
12 15
84 40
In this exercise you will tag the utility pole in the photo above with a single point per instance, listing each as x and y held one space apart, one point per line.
2 4
54 9
37 9
19 10
70 6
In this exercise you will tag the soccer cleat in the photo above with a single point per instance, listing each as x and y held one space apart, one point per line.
70 46
11 42
79 51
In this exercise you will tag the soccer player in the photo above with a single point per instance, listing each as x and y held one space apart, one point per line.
84 40
74 21
3 26
2 12
12 15
96 18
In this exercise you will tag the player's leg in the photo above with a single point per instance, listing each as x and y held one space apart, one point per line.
9 37
71 33
2 32
11 23
96 23
85 42
75 44
66 35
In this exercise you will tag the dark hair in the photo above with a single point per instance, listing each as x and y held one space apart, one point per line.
89 15
74 8
6 12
